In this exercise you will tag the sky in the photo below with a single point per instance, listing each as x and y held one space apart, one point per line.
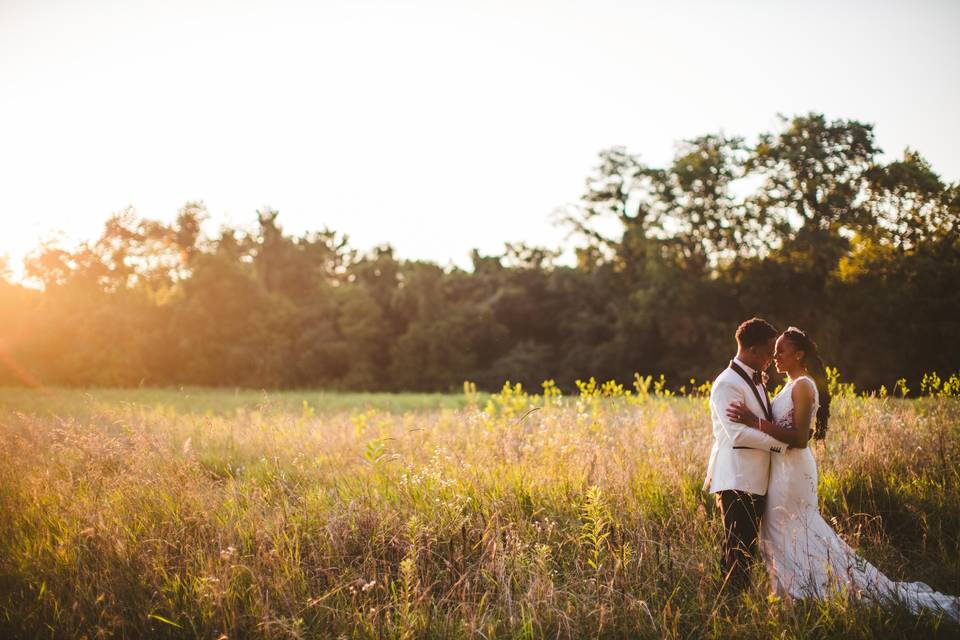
436 127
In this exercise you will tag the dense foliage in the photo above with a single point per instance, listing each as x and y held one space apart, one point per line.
804 226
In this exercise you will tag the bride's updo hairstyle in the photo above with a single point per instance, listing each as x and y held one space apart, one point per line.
814 364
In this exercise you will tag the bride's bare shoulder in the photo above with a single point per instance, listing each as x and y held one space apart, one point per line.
803 391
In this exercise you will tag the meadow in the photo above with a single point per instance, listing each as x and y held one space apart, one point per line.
220 514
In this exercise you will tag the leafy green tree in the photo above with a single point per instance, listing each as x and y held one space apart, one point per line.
910 205
815 173
805 227
361 323
228 329
697 220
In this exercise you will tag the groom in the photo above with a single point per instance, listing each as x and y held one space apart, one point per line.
739 465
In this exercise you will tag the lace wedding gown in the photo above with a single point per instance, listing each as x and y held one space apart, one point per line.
803 554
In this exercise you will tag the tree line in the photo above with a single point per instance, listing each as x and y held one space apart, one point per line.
804 225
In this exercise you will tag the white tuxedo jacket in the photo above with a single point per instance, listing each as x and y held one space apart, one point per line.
740 458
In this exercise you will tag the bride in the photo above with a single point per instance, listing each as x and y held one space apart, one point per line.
803 554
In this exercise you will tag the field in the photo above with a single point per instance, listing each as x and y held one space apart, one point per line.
211 514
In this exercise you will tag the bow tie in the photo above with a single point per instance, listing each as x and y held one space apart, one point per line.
758 378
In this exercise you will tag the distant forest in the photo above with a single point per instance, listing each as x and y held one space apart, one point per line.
803 226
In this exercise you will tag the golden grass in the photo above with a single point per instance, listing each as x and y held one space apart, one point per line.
583 518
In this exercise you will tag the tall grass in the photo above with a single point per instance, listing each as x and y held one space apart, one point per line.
503 516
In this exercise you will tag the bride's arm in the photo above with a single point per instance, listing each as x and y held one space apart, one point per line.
723 395
802 396
797 437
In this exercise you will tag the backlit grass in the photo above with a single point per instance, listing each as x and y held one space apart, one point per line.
145 513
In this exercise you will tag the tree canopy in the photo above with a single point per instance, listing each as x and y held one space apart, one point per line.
805 226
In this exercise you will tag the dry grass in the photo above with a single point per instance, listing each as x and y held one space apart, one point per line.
583 518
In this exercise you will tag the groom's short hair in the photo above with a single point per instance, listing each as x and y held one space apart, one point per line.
755 331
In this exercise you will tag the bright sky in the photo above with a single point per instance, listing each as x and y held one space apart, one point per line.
434 126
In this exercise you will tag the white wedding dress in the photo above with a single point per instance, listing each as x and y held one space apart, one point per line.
804 556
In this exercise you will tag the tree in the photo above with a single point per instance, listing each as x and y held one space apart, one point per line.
697 220
910 204
805 227
815 173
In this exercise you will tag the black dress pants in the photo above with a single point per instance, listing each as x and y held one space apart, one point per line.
742 513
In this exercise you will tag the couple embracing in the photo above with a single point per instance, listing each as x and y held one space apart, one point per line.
765 478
